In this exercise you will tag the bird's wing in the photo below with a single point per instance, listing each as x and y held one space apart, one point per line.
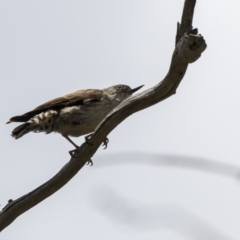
76 98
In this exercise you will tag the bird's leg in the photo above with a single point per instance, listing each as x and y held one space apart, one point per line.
72 152
105 141
75 145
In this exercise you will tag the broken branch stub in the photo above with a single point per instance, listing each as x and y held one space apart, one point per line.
190 47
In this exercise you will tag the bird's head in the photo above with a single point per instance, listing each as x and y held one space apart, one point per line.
120 92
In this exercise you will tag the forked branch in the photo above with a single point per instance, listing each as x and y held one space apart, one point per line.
189 46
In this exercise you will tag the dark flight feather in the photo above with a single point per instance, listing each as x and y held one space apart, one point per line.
79 97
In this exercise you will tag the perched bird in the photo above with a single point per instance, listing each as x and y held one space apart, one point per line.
74 114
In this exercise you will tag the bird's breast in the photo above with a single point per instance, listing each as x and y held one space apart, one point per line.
82 119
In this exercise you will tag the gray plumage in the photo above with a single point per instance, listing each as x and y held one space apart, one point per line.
75 114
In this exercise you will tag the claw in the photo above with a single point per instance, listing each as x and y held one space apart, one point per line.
105 143
90 162
87 138
72 154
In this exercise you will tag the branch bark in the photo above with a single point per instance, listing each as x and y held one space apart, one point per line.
189 47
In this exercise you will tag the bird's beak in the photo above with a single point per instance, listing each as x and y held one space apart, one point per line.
135 89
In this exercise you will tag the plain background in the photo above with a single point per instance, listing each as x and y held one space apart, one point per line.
51 48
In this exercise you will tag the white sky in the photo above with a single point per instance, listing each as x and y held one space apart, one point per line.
51 48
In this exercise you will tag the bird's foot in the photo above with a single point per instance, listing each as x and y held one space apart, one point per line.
105 143
87 138
74 154
89 162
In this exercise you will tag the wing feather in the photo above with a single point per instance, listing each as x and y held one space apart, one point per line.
79 97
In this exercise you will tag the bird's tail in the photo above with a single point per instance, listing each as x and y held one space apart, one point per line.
21 130
43 122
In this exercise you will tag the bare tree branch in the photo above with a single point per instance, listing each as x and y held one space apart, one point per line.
188 49
186 21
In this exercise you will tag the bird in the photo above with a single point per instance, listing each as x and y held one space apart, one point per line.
74 114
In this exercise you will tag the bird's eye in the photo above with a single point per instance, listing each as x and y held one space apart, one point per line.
119 87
